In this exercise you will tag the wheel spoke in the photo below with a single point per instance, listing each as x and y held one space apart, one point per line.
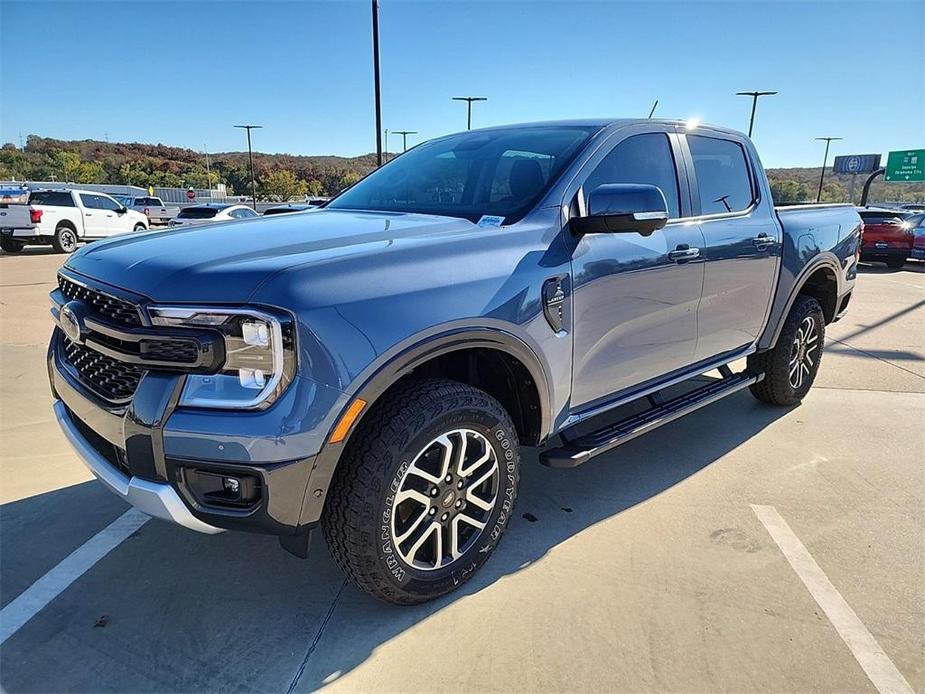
414 526
484 458
461 455
808 359
407 494
415 548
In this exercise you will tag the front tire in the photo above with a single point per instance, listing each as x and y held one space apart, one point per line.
791 367
64 240
424 491
140 227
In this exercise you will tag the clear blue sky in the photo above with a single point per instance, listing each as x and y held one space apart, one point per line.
183 73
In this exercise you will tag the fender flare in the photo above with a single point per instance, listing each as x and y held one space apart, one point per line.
776 324
400 365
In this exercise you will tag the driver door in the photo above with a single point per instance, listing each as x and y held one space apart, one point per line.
635 297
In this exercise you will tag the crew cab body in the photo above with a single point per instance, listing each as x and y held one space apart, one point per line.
151 207
486 258
887 236
69 214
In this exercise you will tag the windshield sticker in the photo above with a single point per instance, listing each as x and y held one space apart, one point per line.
489 220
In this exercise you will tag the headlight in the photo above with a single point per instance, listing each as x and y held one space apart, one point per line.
259 355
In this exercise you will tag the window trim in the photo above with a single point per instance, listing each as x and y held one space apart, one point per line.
695 187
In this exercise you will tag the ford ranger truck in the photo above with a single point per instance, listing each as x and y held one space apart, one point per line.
373 369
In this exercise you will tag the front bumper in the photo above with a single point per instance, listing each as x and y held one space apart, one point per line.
137 452
155 499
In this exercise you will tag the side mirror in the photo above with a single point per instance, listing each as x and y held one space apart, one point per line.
623 208
122 210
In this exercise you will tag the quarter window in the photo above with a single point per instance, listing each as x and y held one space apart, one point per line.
723 180
640 159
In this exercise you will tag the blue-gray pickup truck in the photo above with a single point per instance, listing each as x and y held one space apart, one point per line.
373 369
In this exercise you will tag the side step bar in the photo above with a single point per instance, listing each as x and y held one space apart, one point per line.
582 449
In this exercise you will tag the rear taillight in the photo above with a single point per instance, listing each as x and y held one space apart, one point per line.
35 216
146 212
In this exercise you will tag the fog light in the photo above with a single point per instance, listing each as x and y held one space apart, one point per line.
231 485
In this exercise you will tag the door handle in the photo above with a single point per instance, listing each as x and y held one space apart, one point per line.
762 241
88 214
683 253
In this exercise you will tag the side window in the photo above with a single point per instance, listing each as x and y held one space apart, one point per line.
246 213
91 201
106 203
640 159
722 175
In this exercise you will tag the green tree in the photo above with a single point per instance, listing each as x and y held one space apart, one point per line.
282 185
347 180
314 188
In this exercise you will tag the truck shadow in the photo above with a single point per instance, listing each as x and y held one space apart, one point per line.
187 612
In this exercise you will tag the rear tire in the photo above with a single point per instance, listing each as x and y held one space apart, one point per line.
10 246
790 368
451 451
896 263
65 240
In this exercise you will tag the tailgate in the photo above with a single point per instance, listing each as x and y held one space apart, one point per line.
15 217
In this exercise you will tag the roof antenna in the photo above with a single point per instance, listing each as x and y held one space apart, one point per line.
654 106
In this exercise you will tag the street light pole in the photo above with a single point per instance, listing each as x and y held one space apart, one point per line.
469 100
825 160
250 159
376 82
404 137
754 96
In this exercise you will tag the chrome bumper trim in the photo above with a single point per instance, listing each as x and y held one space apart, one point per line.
155 499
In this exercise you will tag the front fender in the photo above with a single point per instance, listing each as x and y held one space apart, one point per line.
402 360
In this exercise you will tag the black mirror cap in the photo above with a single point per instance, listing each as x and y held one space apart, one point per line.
623 208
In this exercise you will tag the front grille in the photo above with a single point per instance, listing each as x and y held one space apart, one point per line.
113 308
114 380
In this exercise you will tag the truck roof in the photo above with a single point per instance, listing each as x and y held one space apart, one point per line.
608 122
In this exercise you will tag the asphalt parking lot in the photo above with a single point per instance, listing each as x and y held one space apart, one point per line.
653 568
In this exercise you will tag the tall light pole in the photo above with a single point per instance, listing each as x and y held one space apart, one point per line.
754 96
825 160
376 82
404 137
469 100
250 159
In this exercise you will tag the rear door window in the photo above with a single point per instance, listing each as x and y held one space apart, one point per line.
723 178
53 198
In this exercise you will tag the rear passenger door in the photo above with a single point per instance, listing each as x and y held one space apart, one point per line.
742 244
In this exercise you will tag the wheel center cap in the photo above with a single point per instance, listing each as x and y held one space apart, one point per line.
448 499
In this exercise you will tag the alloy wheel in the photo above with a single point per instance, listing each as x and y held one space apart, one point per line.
444 499
804 352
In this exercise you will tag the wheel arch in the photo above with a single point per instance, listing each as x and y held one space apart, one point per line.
821 279
476 348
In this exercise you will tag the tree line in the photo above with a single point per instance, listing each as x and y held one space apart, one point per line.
287 176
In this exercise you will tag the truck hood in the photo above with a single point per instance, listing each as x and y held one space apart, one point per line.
227 262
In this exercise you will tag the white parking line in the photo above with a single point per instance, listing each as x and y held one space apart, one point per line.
78 562
878 666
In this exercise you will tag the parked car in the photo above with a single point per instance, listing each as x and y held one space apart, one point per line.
886 238
64 217
373 368
917 224
288 209
151 207
211 212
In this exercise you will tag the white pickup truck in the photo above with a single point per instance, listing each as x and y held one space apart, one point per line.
151 207
64 217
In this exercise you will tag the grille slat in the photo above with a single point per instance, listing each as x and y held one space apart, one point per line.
114 380
113 308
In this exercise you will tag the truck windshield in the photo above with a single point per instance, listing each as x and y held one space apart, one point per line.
499 173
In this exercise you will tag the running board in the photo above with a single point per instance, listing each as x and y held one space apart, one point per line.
574 452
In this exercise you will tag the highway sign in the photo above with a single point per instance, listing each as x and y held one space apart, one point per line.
856 163
906 165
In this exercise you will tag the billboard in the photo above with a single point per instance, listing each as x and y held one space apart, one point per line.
856 163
